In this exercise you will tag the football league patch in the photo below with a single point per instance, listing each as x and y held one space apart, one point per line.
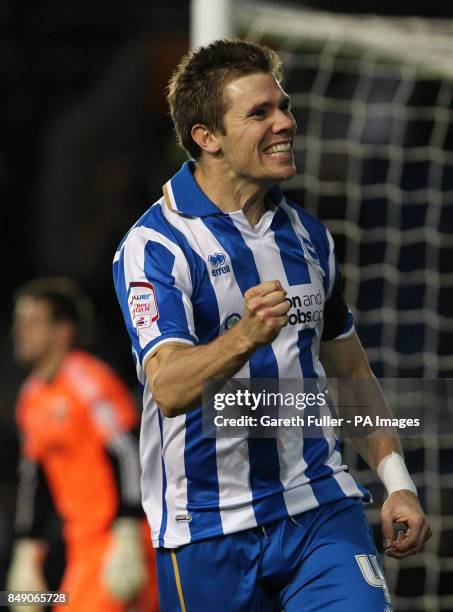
142 304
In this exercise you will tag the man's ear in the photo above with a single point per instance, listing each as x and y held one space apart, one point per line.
205 138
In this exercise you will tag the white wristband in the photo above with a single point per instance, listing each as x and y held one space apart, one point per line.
393 472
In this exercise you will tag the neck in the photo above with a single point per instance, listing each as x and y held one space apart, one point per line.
231 192
47 367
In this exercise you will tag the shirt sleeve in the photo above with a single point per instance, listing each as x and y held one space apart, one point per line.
124 458
115 418
154 287
338 319
34 505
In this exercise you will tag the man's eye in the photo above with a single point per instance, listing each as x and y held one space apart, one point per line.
259 112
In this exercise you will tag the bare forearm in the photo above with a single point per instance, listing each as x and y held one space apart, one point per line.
375 447
364 398
360 394
178 382
380 447
378 441
176 373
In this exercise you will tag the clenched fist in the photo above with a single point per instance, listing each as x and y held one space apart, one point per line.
265 313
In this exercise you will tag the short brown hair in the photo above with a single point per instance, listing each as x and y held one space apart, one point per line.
196 88
67 302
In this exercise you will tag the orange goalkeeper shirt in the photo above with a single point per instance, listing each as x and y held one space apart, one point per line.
66 425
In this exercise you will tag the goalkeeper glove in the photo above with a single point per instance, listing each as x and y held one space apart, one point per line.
125 565
25 571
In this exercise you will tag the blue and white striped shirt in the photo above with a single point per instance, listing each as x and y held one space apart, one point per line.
180 275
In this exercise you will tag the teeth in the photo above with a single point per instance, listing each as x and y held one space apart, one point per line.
282 147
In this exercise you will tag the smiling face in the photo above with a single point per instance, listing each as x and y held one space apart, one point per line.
259 130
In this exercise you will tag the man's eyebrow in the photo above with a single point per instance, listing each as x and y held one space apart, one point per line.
285 100
263 104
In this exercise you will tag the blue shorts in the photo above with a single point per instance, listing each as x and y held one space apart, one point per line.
321 560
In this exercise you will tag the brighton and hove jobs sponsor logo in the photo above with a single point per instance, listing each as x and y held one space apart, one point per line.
306 308
218 264
299 314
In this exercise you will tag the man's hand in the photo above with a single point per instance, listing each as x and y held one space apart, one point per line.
125 565
25 571
265 313
177 372
403 507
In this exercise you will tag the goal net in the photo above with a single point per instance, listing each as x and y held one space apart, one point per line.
372 97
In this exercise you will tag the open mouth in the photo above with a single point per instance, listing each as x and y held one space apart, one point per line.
280 149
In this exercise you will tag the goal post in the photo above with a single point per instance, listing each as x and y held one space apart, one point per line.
210 20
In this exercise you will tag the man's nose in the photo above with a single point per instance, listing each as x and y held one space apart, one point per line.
284 122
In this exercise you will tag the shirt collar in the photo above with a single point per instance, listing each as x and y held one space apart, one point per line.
183 195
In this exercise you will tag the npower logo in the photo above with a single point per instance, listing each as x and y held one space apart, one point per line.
307 308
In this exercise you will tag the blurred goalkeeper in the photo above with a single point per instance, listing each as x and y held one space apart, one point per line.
77 423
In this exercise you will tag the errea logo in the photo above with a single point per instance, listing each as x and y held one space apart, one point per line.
218 259
218 264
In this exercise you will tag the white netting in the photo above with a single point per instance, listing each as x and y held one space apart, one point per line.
373 100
